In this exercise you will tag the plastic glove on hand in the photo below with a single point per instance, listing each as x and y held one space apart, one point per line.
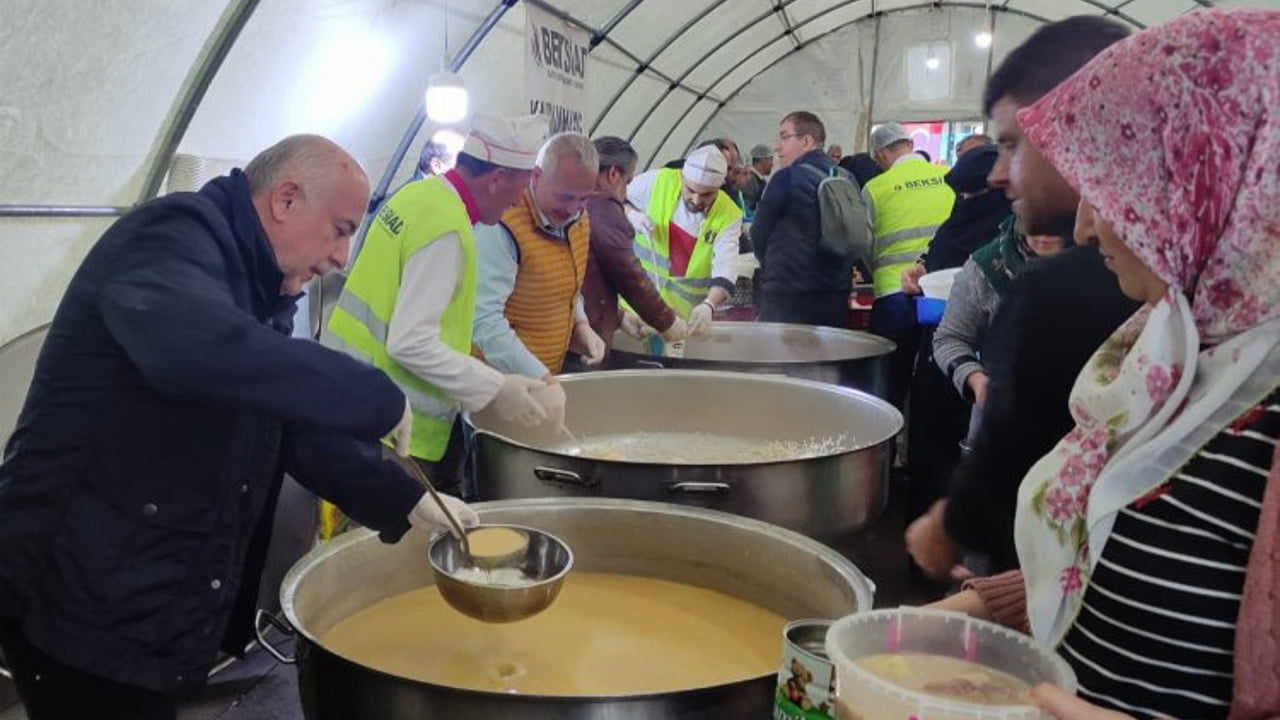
591 343
640 222
428 517
402 433
700 319
632 326
515 401
552 398
678 331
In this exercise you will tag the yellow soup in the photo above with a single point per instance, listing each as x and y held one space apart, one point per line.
604 635
495 542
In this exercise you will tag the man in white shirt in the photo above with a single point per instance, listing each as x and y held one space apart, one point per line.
690 243
408 303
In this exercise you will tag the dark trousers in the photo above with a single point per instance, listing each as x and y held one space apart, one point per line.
807 308
448 474
894 317
53 691
939 422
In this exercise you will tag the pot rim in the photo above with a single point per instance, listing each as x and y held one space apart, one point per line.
881 405
886 346
863 587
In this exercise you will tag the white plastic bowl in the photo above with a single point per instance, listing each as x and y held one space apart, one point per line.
865 696
938 284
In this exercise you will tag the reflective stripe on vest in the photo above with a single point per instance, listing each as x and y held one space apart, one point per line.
911 200
654 251
416 216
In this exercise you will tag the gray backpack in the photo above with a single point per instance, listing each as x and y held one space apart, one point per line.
845 232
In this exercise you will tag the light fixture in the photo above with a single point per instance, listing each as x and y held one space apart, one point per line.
983 39
451 139
446 98
932 62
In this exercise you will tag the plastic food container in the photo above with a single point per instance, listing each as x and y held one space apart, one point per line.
938 284
866 696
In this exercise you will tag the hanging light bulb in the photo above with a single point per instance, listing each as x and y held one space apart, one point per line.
446 98
983 39
932 62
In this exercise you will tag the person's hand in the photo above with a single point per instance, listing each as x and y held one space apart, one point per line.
700 319
632 325
977 383
1065 706
428 517
402 433
678 331
929 546
968 602
515 401
591 343
911 279
640 222
552 399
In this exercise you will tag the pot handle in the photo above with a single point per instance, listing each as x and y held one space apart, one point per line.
264 617
651 364
4 671
557 476
718 488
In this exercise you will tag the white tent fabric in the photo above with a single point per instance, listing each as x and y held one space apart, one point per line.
97 97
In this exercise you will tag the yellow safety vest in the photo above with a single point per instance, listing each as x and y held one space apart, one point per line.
654 251
416 216
910 201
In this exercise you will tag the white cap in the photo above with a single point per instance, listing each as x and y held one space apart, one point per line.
888 134
509 142
705 166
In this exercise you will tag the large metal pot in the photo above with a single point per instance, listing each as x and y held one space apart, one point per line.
825 497
779 570
826 354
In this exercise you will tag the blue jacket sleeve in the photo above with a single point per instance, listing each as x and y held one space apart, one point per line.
169 304
355 476
769 210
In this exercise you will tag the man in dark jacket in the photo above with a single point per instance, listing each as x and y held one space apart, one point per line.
1055 315
137 491
799 283
612 266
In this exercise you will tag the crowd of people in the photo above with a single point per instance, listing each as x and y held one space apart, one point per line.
1110 356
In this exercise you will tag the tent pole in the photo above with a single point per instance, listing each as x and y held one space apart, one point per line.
61 211
215 52
871 96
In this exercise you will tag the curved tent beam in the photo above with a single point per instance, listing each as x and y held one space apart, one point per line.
216 49
608 107
729 98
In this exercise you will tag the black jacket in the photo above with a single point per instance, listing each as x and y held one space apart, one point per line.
786 231
975 220
1057 313
137 490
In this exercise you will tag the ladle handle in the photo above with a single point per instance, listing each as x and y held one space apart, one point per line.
456 526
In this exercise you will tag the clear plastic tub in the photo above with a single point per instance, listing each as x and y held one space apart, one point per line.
865 696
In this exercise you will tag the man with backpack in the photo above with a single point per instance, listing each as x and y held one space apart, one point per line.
810 227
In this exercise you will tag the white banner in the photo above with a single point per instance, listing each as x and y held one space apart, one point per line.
556 75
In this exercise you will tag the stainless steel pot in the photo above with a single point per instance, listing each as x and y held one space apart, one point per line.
826 354
826 497
779 570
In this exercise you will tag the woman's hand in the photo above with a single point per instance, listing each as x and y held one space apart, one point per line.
1065 706
929 546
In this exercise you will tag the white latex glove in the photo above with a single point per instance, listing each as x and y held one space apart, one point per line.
633 325
515 401
402 433
591 343
640 222
700 319
428 517
551 397
678 331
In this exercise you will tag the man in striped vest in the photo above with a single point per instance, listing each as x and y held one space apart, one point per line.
693 243
408 302
905 205
529 302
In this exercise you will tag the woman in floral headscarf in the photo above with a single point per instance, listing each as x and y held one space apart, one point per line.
1152 531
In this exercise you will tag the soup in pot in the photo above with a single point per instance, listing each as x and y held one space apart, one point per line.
605 635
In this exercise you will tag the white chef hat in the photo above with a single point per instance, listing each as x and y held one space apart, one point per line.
705 166
511 142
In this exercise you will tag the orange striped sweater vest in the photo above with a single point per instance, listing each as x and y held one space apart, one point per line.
540 308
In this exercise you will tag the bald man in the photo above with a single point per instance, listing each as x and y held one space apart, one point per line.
138 489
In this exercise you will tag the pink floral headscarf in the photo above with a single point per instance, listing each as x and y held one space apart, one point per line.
1173 135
